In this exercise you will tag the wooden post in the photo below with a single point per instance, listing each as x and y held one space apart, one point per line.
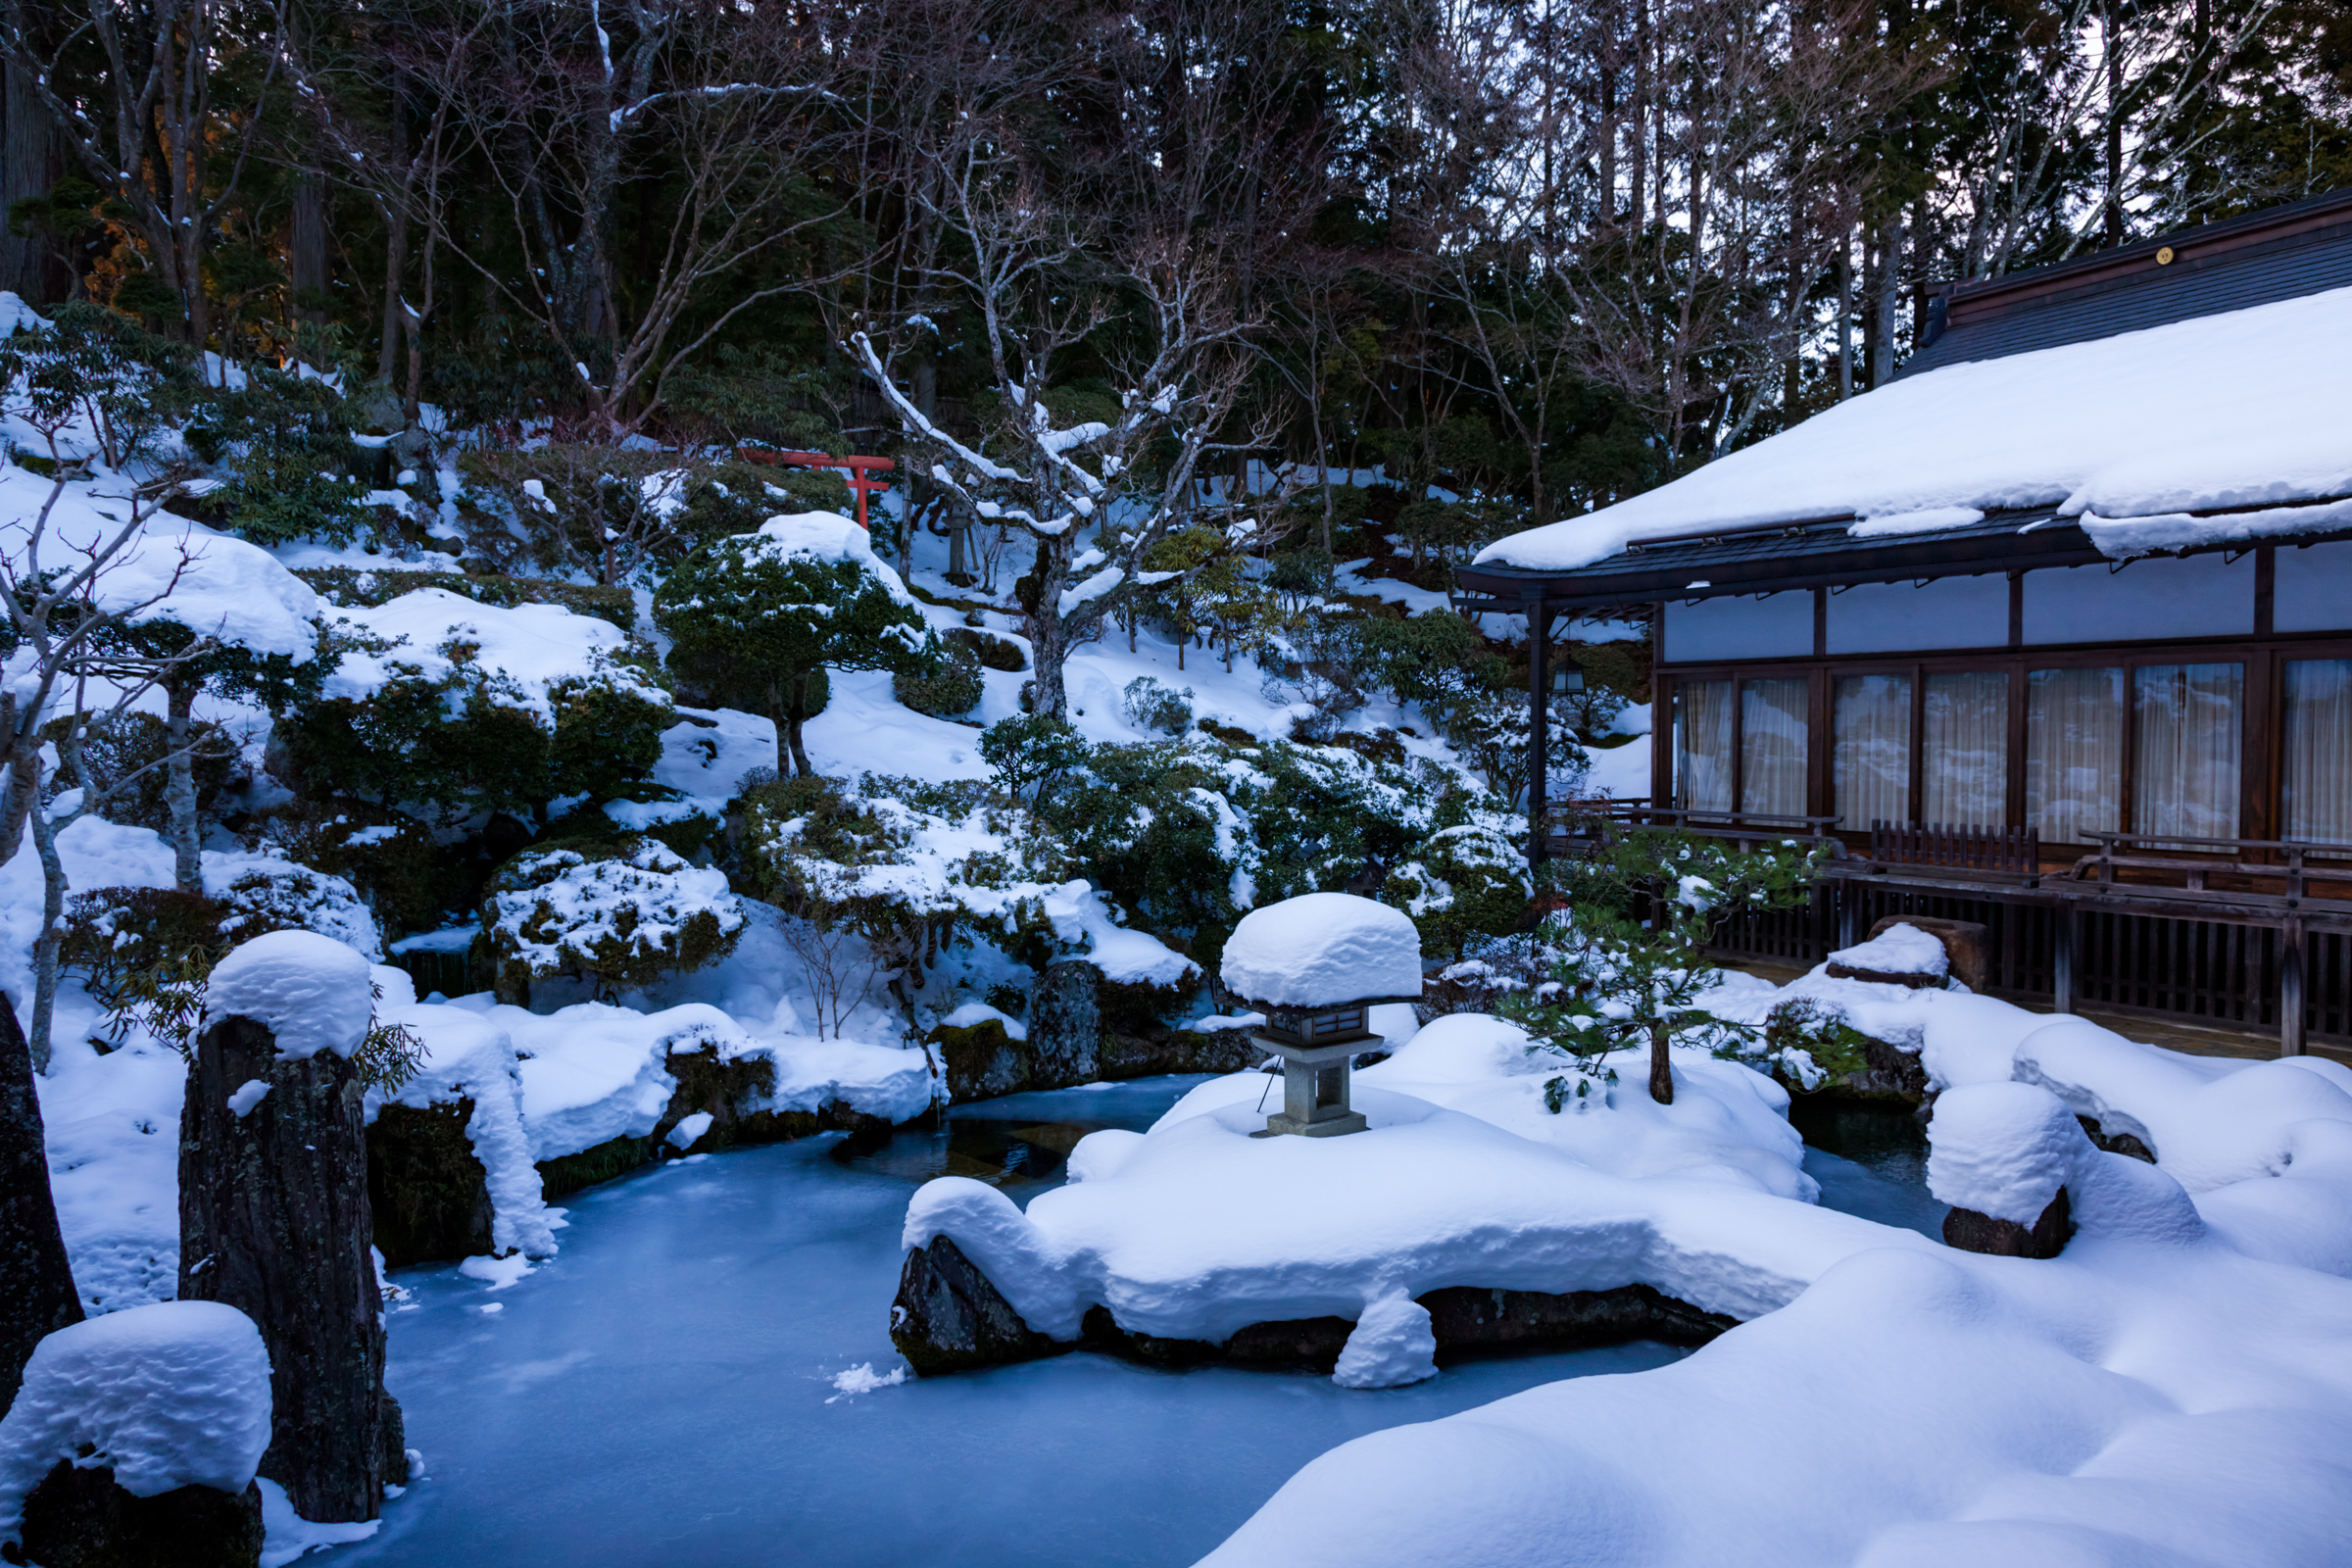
2062 960
1538 722
2291 987
274 1220
1850 913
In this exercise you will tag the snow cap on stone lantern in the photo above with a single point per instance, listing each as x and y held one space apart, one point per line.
1315 966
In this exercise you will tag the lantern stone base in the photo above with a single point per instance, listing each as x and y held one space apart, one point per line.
1314 1088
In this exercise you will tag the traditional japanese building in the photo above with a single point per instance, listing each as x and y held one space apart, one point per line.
2053 632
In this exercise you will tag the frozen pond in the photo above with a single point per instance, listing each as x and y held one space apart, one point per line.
664 1392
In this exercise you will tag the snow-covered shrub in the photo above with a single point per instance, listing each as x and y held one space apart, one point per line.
1151 704
143 955
753 618
1465 881
277 896
993 652
446 733
623 912
948 688
1808 1042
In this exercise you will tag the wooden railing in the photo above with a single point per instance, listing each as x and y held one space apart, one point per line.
1581 825
1966 845
2268 868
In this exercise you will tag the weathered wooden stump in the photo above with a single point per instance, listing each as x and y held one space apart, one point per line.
275 1221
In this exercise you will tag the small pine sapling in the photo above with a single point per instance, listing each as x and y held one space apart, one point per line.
1638 916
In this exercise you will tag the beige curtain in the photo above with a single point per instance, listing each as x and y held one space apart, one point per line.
1772 746
2074 752
2188 719
1870 751
1702 744
1966 737
2318 750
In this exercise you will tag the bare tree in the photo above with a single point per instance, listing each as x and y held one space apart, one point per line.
569 104
1131 247
151 134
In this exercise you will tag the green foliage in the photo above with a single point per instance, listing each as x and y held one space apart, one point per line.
1812 1043
92 364
470 740
1630 961
949 688
366 587
295 471
1030 752
1466 881
410 878
752 621
126 752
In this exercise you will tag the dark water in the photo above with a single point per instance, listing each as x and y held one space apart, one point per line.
664 1390
1871 1160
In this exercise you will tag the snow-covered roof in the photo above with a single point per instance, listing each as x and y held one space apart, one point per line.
2245 409
1323 948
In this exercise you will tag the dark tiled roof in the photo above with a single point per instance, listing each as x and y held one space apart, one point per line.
2281 254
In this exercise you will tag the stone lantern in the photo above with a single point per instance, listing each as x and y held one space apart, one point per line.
1316 966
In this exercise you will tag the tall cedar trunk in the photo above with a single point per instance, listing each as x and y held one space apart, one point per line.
1661 1066
45 946
30 164
274 1220
180 788
36 1284
306 246
1890 299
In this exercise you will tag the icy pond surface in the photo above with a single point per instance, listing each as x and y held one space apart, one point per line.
665 1391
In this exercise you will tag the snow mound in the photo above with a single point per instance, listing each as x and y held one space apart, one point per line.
1131 957
532 647
828 536
1392 1346
2003 1150
1323 948
643 901
173 1394
215 585
1196 1229
312 992
1900 948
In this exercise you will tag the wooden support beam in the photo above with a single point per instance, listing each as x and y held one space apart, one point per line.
2062 960
1539 725
2291 987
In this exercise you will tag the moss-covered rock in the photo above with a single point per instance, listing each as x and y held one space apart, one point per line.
427 1188
982 1060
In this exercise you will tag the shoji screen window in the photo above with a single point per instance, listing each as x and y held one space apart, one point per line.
2318 792
2187 724
2074 752
1774 731
1702 744
1965 738
1870 760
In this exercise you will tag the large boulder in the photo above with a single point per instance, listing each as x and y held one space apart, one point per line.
948 1318
79 1518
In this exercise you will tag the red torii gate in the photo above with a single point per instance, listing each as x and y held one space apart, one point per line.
860 472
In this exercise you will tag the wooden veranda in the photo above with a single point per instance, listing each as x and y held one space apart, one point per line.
2249 934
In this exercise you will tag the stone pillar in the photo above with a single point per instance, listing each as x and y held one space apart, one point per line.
1065 1025
274 1220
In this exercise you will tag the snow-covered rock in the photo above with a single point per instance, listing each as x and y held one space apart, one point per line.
1392 1346
1897 950
2003 1150
1322 949
312 992
169 1396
